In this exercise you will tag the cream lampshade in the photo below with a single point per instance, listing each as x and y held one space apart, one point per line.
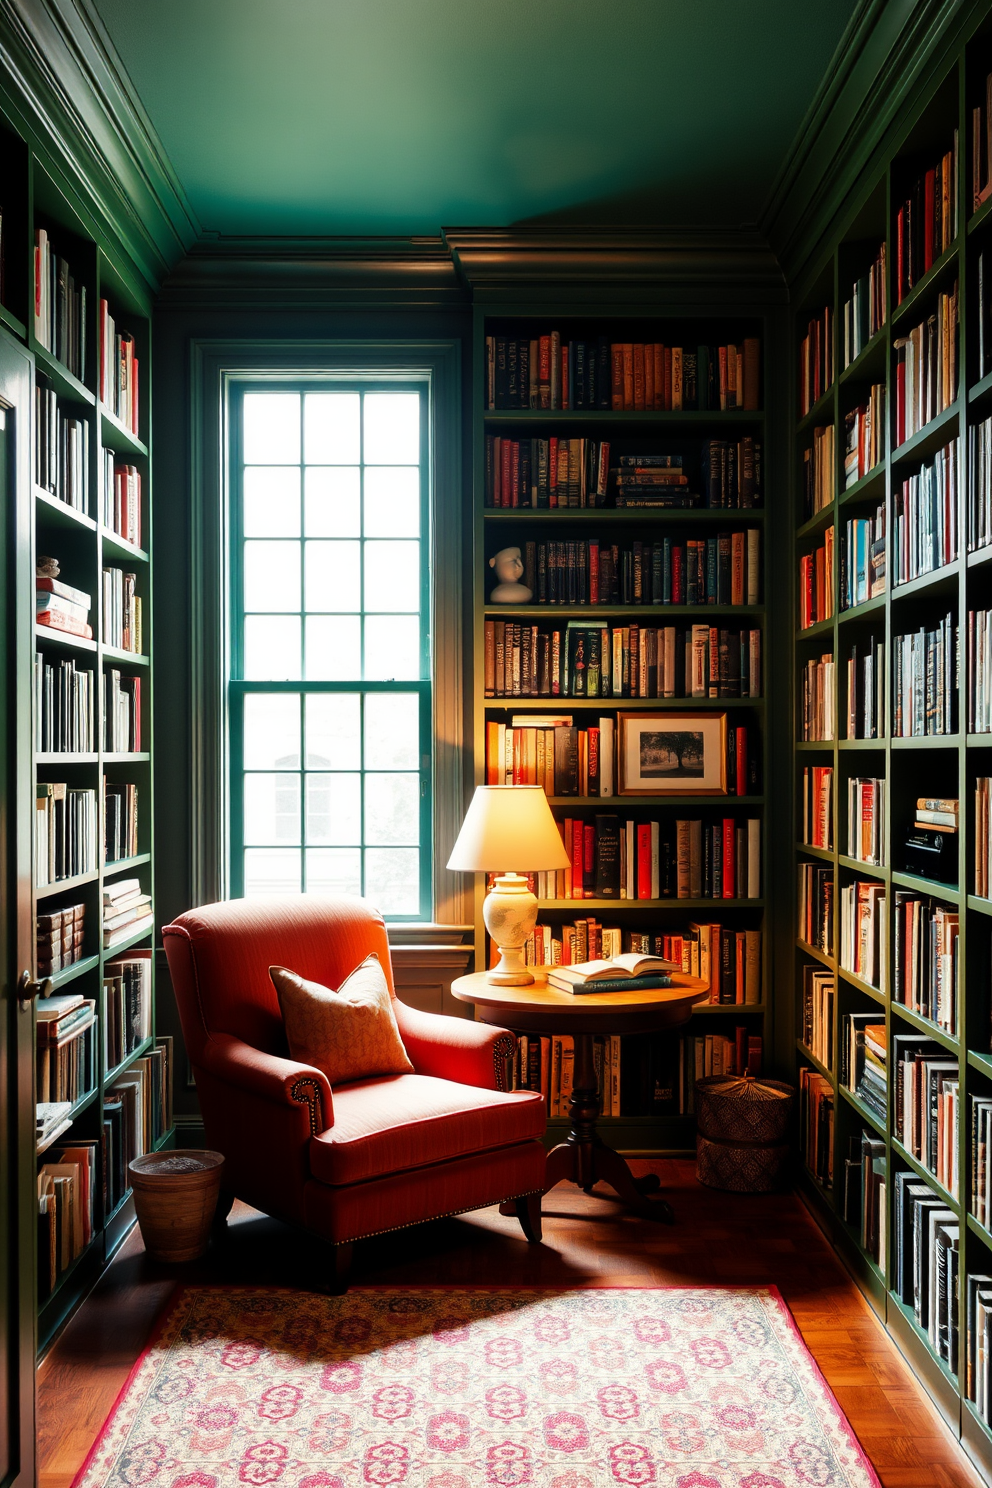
509 824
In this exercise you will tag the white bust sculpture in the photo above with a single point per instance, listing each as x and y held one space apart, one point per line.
509 566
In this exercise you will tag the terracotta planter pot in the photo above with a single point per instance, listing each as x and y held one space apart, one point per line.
175 1195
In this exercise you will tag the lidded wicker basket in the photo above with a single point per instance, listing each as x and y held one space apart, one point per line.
742 1141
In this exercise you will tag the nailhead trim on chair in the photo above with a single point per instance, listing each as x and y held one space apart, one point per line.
449 1214
307 1092
503 1051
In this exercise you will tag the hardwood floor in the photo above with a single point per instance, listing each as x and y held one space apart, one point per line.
718 1239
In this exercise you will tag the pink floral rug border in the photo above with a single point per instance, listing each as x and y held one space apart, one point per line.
101 1468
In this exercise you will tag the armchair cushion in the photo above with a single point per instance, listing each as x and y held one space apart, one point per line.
350 1033
409 1121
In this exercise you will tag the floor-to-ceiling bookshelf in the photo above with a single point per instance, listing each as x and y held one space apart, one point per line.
950 579
72 521
646 1122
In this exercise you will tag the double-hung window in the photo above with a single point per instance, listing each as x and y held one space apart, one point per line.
329 702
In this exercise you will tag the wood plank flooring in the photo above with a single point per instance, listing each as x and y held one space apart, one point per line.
718 1239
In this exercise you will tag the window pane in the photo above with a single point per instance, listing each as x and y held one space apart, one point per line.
392 809
272 808
392 647
272 429
272 871
392 428
392 501
392 879
333 648
392 731
332 428
272 501
392 575
335 870
334 731
333 576
272 576
334 811
272 731
333 501
272 648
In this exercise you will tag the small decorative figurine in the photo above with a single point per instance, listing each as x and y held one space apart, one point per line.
509 566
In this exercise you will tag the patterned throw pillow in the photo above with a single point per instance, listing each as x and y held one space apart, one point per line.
350 1034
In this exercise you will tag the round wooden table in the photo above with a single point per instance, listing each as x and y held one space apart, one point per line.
539 1008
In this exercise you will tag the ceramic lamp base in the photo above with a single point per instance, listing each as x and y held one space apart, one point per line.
510 914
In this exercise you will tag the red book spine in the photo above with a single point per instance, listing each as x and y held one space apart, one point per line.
506 472
136 722
589 857
553 471
644 860
578 860
566 401
616 368
729 857
514 741
742 761
544 360
900 259
929 219
594 571
593 748
668 378
515 476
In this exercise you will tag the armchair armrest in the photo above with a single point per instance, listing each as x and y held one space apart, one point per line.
284 1082
455 1048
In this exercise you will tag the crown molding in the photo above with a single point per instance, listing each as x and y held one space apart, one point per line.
890 53
67 91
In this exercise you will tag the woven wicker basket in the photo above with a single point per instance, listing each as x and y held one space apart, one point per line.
743 1127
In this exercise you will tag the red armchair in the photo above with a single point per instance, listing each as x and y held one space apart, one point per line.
371 1155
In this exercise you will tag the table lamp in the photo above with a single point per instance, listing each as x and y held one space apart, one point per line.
509 824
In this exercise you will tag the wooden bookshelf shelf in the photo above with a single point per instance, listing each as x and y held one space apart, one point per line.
646 516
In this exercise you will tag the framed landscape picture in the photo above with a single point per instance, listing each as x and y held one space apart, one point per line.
673 754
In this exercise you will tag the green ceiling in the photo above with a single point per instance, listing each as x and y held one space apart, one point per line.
403 116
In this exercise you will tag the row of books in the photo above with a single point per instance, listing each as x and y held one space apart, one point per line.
816 360
862 558
569 761
864 1061
978 1344
59 307
926 1249
703 1055
926 369
65 1065
58 605
978 675
548 1065
864 436
862 931
61 450
864 311
127 1004
553 473
924 684
816 583
816 906
60 939
120 820
65 832
865 669
819 475
121 499
723 569
864 1195
818 805
582 660
118 370
127 911
925 958
816 1124
925 1105
818 993
649 860
137 1113
926 221
865 818
980 484
63 708
925 517
122 609
983 837
551 372
818 718
67 1194
122 713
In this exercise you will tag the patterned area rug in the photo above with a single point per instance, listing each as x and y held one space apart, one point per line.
477 1388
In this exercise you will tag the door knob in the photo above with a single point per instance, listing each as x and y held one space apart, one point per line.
28 989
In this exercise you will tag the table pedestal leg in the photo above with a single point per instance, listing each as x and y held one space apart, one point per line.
585 1158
